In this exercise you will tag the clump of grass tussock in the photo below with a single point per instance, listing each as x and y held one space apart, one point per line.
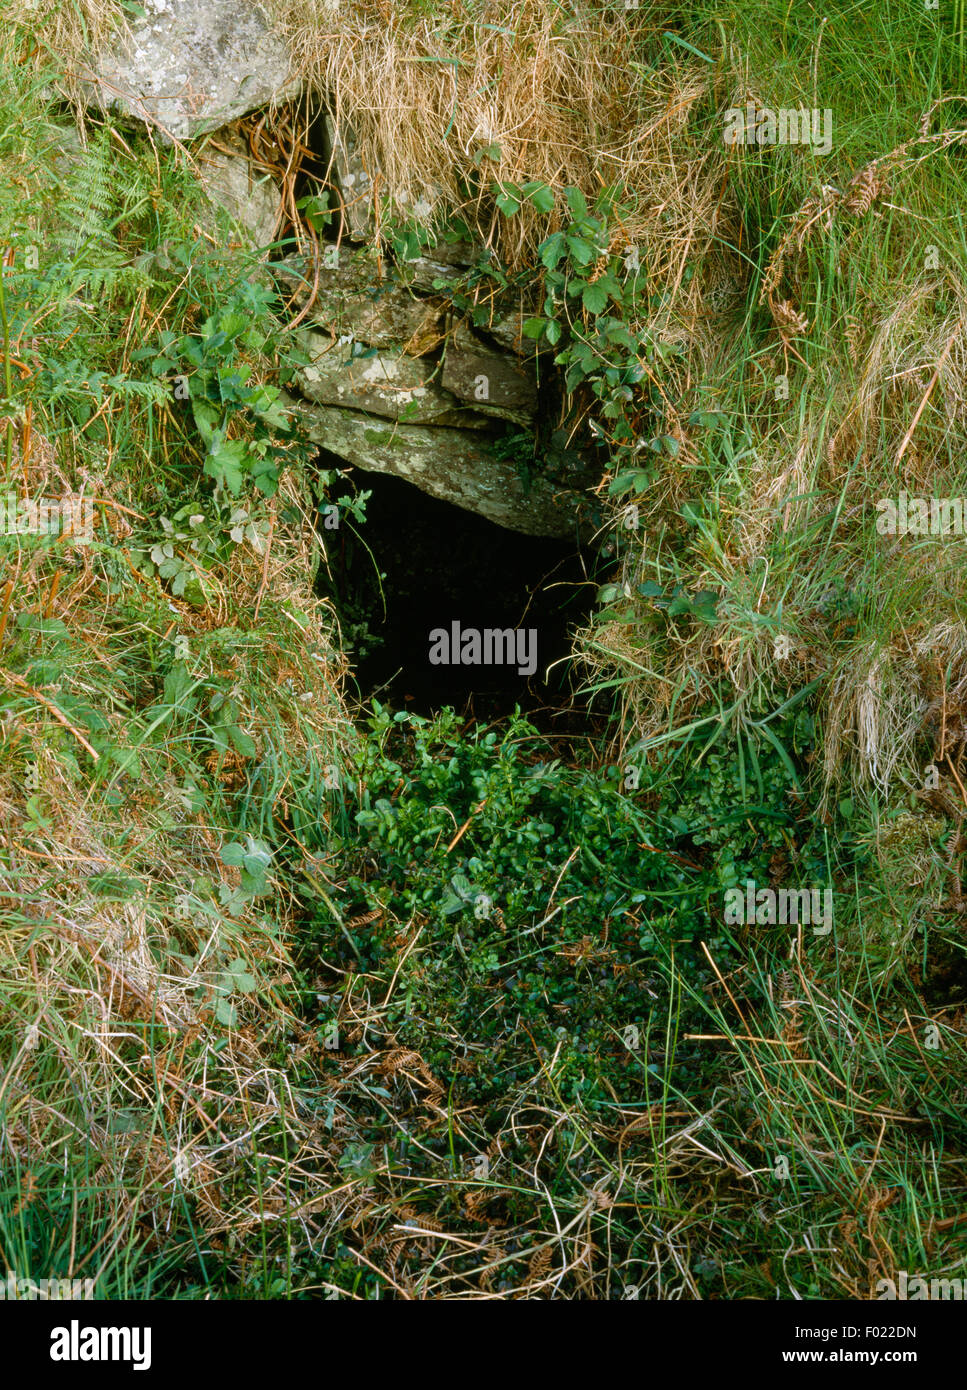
846 1111
785 532
71 29
155 747
147 991
443 105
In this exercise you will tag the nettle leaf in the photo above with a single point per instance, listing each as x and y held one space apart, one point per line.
533 328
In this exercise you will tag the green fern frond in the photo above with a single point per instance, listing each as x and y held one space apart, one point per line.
89 197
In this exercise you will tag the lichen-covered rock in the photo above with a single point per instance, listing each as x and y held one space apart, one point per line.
458 252
389 384
251 200
455 465
507 330
191 66
355 182
488 380
421 273
383 315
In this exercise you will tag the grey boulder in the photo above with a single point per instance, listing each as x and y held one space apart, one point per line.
191 66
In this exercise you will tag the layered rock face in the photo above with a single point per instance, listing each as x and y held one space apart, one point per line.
392 381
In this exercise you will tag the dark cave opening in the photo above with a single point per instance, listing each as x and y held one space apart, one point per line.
416 566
